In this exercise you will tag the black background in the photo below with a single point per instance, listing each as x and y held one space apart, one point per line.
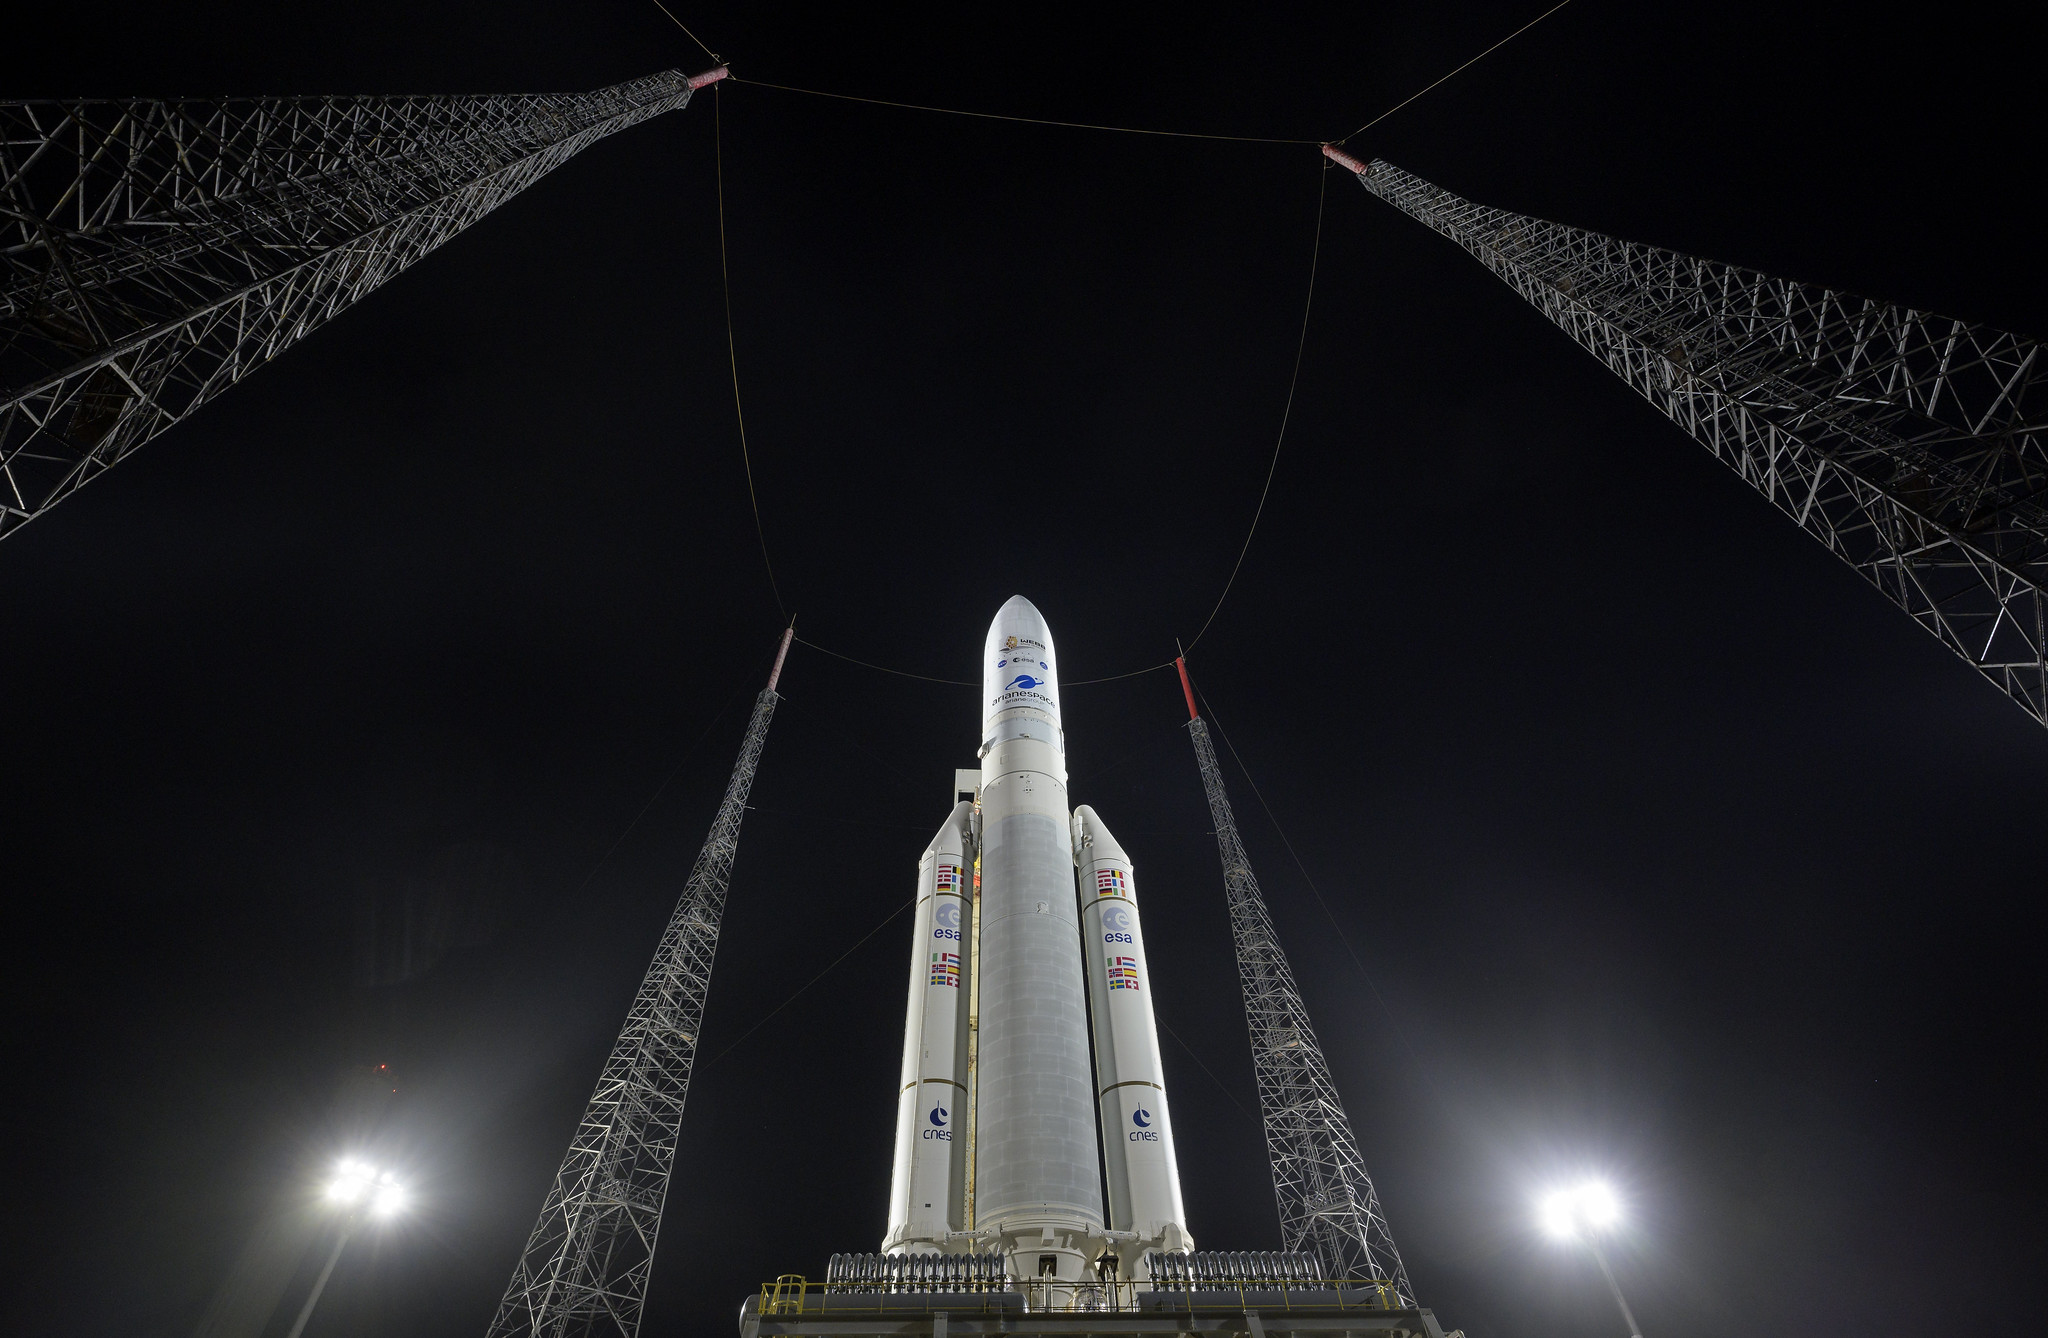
1675 854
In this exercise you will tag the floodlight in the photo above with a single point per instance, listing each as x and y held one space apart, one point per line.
1572 1212
1581 1213
352 1181
1557 1215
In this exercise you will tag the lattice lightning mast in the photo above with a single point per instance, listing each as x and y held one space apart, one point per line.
1912 445
1327 1202
585 1267
153 253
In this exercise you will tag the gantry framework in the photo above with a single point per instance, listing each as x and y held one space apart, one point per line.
1328 1206
1912 445
585 1267
155 252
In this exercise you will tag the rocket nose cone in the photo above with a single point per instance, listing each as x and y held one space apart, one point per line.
1019 667
1016 623
1017 610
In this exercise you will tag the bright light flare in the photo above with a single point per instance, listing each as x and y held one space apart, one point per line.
352 1182
1573 1212
358 1185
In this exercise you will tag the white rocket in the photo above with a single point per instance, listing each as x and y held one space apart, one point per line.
1048 1060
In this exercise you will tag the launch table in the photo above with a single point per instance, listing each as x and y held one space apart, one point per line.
798 1311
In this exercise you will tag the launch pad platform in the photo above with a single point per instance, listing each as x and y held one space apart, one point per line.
791 1308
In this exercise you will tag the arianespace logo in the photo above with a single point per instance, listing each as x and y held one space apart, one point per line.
1023 681
939 1132
1144 1133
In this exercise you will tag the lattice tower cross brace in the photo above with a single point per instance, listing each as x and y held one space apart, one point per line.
1327 1203
1914 446
585 1268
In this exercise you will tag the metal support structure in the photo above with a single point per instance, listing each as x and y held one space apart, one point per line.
1628 1316
1914 446
1327 1202
584 1270
155 252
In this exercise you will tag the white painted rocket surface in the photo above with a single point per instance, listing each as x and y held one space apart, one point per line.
1060 956
927 1186
1139 1165
1035 1142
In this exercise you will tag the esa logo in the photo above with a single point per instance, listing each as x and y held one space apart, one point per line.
939 1131
1144 1133
1116 924
947 919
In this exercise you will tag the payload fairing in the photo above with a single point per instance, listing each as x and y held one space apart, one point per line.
1031 1078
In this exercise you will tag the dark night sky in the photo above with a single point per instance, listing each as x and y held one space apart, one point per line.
1673 851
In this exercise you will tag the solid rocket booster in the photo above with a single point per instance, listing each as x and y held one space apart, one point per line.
927 1187
1142 1172
1035 1149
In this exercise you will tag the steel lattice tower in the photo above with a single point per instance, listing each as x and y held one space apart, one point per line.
1328 1205
153 253
585 1267
1912 445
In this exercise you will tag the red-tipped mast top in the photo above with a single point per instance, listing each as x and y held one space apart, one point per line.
775 674
1344 160
708 77
1186 690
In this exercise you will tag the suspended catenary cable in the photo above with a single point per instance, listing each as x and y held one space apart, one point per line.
1025 120
732 349
1286 411
687 33
760 529
1460 70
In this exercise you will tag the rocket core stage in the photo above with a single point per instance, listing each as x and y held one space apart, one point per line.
1008 978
